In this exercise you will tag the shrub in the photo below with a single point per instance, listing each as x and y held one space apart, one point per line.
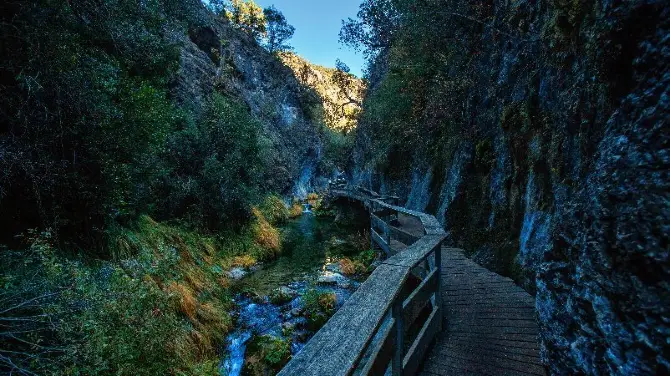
266 236
350 267
296 209
274 210
319 307
244 261
267 354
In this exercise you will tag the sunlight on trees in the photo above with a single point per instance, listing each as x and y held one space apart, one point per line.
278 30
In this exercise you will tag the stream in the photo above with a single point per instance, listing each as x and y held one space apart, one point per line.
309 261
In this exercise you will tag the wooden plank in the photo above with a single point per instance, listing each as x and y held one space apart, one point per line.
384 212
479 321
380 356
493 362
380 241
337 347
511 346
417 252
471 366
378 223
433 365
490 321
427 288
403 236
494 330
417 351
521 354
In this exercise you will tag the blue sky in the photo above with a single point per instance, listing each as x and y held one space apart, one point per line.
317 26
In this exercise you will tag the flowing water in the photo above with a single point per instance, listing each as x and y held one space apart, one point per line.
307 254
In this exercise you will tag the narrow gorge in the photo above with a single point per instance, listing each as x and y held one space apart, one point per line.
198 187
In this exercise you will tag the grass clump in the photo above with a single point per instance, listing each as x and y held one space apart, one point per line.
319 307
267 355
244 261
296 209
352 267
265 235
163 309
274 210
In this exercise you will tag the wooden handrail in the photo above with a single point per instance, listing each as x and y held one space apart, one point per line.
369 333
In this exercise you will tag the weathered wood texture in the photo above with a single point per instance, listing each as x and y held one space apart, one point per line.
337 347
486 323
489 327
368 333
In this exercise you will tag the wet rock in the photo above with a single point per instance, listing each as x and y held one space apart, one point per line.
236 273
330 278
303 336
282 295
288 326
333 267
295 312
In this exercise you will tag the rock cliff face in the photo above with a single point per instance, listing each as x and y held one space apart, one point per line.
554 169
215 56
340 92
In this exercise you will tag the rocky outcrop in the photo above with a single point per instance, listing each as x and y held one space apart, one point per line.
215 56
553 169
340 92
604 292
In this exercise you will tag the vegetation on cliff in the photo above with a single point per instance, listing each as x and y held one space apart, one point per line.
124 206
499 117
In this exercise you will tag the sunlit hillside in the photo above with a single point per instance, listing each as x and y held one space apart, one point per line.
342 92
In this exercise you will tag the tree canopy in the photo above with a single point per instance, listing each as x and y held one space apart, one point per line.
278 30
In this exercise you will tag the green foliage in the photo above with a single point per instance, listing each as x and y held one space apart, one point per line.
218 165
274 210
86 113
267 354
416 107
164 311
367 257
248 16
374 28
278 30
319 307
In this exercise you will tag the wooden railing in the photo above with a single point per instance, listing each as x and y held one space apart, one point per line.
390 321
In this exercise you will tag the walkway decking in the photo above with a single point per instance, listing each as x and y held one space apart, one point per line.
488 324
489 327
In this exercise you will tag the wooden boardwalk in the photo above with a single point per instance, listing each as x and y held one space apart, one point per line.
489 322
489 327
474 321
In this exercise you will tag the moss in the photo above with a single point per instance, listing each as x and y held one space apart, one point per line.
319 307
279 297
267 354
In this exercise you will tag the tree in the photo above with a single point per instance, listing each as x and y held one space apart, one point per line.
249 16
374 28
278 30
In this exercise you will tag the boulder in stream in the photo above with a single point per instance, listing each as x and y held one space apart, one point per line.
330 278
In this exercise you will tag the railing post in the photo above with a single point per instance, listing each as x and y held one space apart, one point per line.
387 234
372 228
399 351
438 292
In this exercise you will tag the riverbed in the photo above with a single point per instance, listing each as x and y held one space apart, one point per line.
311 249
